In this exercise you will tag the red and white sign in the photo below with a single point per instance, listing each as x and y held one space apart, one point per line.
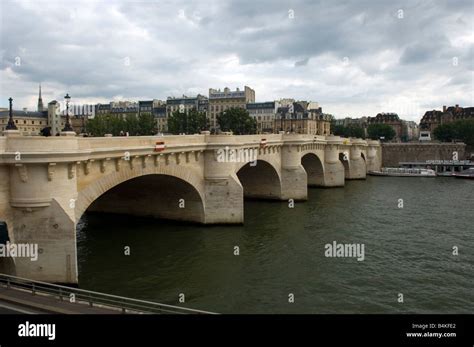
263 143
159 146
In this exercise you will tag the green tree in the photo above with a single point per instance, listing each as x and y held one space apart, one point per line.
339 130
96 126
189 122
349 131
378 130
146 124
177 122
238 121
356 131
465 131
132 126
196 121
461 130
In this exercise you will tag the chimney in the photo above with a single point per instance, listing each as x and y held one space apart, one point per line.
444 108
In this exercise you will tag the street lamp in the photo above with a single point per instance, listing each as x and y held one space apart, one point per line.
68 126
11 124
83 124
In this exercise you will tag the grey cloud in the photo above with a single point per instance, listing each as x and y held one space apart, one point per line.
84 53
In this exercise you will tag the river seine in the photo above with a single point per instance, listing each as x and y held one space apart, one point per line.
411 229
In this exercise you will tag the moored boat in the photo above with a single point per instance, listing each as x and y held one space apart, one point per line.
403 172
469 173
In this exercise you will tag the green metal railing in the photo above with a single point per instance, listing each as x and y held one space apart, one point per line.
87 297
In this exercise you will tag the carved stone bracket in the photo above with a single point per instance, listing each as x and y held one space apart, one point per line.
103 164
23 172
51 170
71 170
118 163
87 166
177 157
145 159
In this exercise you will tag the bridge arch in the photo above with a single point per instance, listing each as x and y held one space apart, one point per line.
156 193
260 180
314 168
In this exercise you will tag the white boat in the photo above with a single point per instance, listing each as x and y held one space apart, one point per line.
469 173
403 172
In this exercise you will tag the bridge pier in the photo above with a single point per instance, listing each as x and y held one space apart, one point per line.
43 215
374 156
223 192
294 179
333 168
357 165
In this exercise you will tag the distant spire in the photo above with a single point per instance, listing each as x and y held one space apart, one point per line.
40 100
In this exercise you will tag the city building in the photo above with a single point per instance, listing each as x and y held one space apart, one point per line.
299 118
182 104
219 101
347 122
410 131
391 119
161 119
264 115
124 108
286 102
102 109
28 122
55 121
186 103
432 119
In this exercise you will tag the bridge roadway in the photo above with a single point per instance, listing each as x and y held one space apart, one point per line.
46 184
21 295
18 301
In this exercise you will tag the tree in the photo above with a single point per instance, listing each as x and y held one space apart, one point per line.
146 124
462 130
349 131
445 132
378 130
238 121
189 122
196 121
465 131
131 125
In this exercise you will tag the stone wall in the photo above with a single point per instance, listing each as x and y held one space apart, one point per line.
394 153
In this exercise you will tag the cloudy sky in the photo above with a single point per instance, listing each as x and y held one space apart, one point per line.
354 57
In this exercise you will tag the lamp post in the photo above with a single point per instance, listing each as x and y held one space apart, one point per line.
68 126
83 124
281 120
11 124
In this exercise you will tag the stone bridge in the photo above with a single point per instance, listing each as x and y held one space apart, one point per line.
46 184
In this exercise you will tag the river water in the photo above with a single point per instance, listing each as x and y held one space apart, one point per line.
408 251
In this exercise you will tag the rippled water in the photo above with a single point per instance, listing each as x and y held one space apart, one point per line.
407 250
